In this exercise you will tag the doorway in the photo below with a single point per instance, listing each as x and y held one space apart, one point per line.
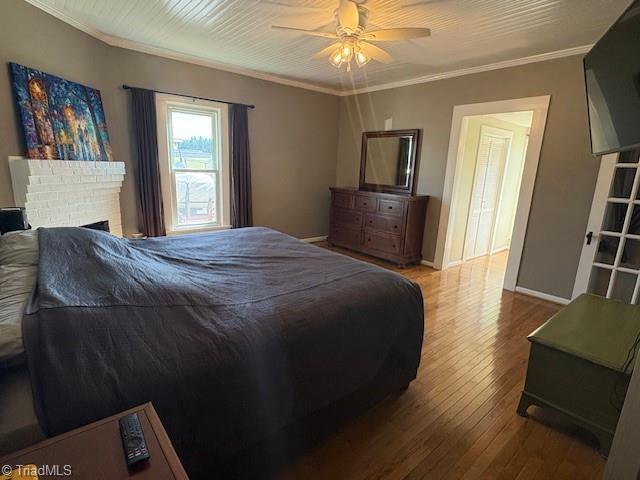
493 158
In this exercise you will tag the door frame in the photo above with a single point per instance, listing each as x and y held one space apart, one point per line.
596 216
508 136
540 107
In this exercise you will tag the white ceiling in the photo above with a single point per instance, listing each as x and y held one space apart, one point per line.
237 34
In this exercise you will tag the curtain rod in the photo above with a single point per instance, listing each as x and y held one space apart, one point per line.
127 87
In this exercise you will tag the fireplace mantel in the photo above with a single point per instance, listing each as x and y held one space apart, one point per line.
68 193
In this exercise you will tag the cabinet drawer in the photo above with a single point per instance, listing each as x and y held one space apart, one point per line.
365 203
350 237
384 223
351 218
390 207
383 242
344 200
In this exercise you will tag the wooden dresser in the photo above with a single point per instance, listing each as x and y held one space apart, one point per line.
384 225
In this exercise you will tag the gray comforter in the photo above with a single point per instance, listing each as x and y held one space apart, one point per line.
231 335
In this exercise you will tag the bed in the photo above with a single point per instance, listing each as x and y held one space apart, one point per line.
234 336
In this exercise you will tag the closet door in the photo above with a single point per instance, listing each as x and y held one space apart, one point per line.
492 152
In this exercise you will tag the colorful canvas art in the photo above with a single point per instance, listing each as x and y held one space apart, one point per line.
61 119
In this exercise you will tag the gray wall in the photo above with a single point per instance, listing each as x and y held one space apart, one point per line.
293 131
566 173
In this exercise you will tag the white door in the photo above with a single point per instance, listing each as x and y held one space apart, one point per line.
610 261
492 153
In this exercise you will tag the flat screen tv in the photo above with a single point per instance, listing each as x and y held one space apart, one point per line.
612 73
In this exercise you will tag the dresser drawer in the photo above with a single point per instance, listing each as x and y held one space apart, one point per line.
349 218
365 203
385 223
348 237
382 242
390 207
343 200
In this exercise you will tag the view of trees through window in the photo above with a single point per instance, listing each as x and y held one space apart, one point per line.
202 144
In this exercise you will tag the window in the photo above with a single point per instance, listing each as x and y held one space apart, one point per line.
194 163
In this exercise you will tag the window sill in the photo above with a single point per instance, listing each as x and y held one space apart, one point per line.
203 229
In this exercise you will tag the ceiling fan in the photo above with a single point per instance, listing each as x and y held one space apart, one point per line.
352 38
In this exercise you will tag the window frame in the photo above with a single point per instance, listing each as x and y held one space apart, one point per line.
165 103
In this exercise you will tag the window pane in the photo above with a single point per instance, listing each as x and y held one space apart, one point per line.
630 156
614 217
196 198
192 140
607 249
599 281
631 254
634 224
622 183
623 287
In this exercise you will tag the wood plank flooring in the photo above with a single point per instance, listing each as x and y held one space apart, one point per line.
458 419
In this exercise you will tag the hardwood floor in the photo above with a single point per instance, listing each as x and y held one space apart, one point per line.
458 418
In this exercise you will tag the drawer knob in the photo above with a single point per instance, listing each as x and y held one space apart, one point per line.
389 207
364 203
395 226
393 246
368 239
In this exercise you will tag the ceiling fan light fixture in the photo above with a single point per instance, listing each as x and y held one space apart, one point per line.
347 51
362 58
336 58
353 40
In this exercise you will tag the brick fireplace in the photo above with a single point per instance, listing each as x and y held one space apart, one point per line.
68 193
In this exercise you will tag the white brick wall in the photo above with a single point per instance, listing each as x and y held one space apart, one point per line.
68 193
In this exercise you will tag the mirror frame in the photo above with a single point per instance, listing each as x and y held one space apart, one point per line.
413 161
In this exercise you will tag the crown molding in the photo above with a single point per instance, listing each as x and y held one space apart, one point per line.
204 62
567 52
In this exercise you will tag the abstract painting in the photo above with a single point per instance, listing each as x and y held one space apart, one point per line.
61 119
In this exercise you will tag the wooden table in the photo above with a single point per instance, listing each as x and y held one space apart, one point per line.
94 452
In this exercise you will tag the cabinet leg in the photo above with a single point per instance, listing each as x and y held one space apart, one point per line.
523 405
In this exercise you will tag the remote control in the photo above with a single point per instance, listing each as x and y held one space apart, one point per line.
135 448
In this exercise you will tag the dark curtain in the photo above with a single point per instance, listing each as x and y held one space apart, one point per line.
241 210
149 193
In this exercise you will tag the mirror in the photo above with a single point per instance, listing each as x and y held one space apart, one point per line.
388 161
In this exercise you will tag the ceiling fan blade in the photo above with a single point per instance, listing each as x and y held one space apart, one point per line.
375 52
391 34
348 15
313 33
325 52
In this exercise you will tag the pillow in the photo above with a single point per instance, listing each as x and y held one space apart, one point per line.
19 248
16 284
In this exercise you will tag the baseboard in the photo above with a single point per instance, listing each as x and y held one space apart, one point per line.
543 296
314 239
455 263
498 250
426 263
